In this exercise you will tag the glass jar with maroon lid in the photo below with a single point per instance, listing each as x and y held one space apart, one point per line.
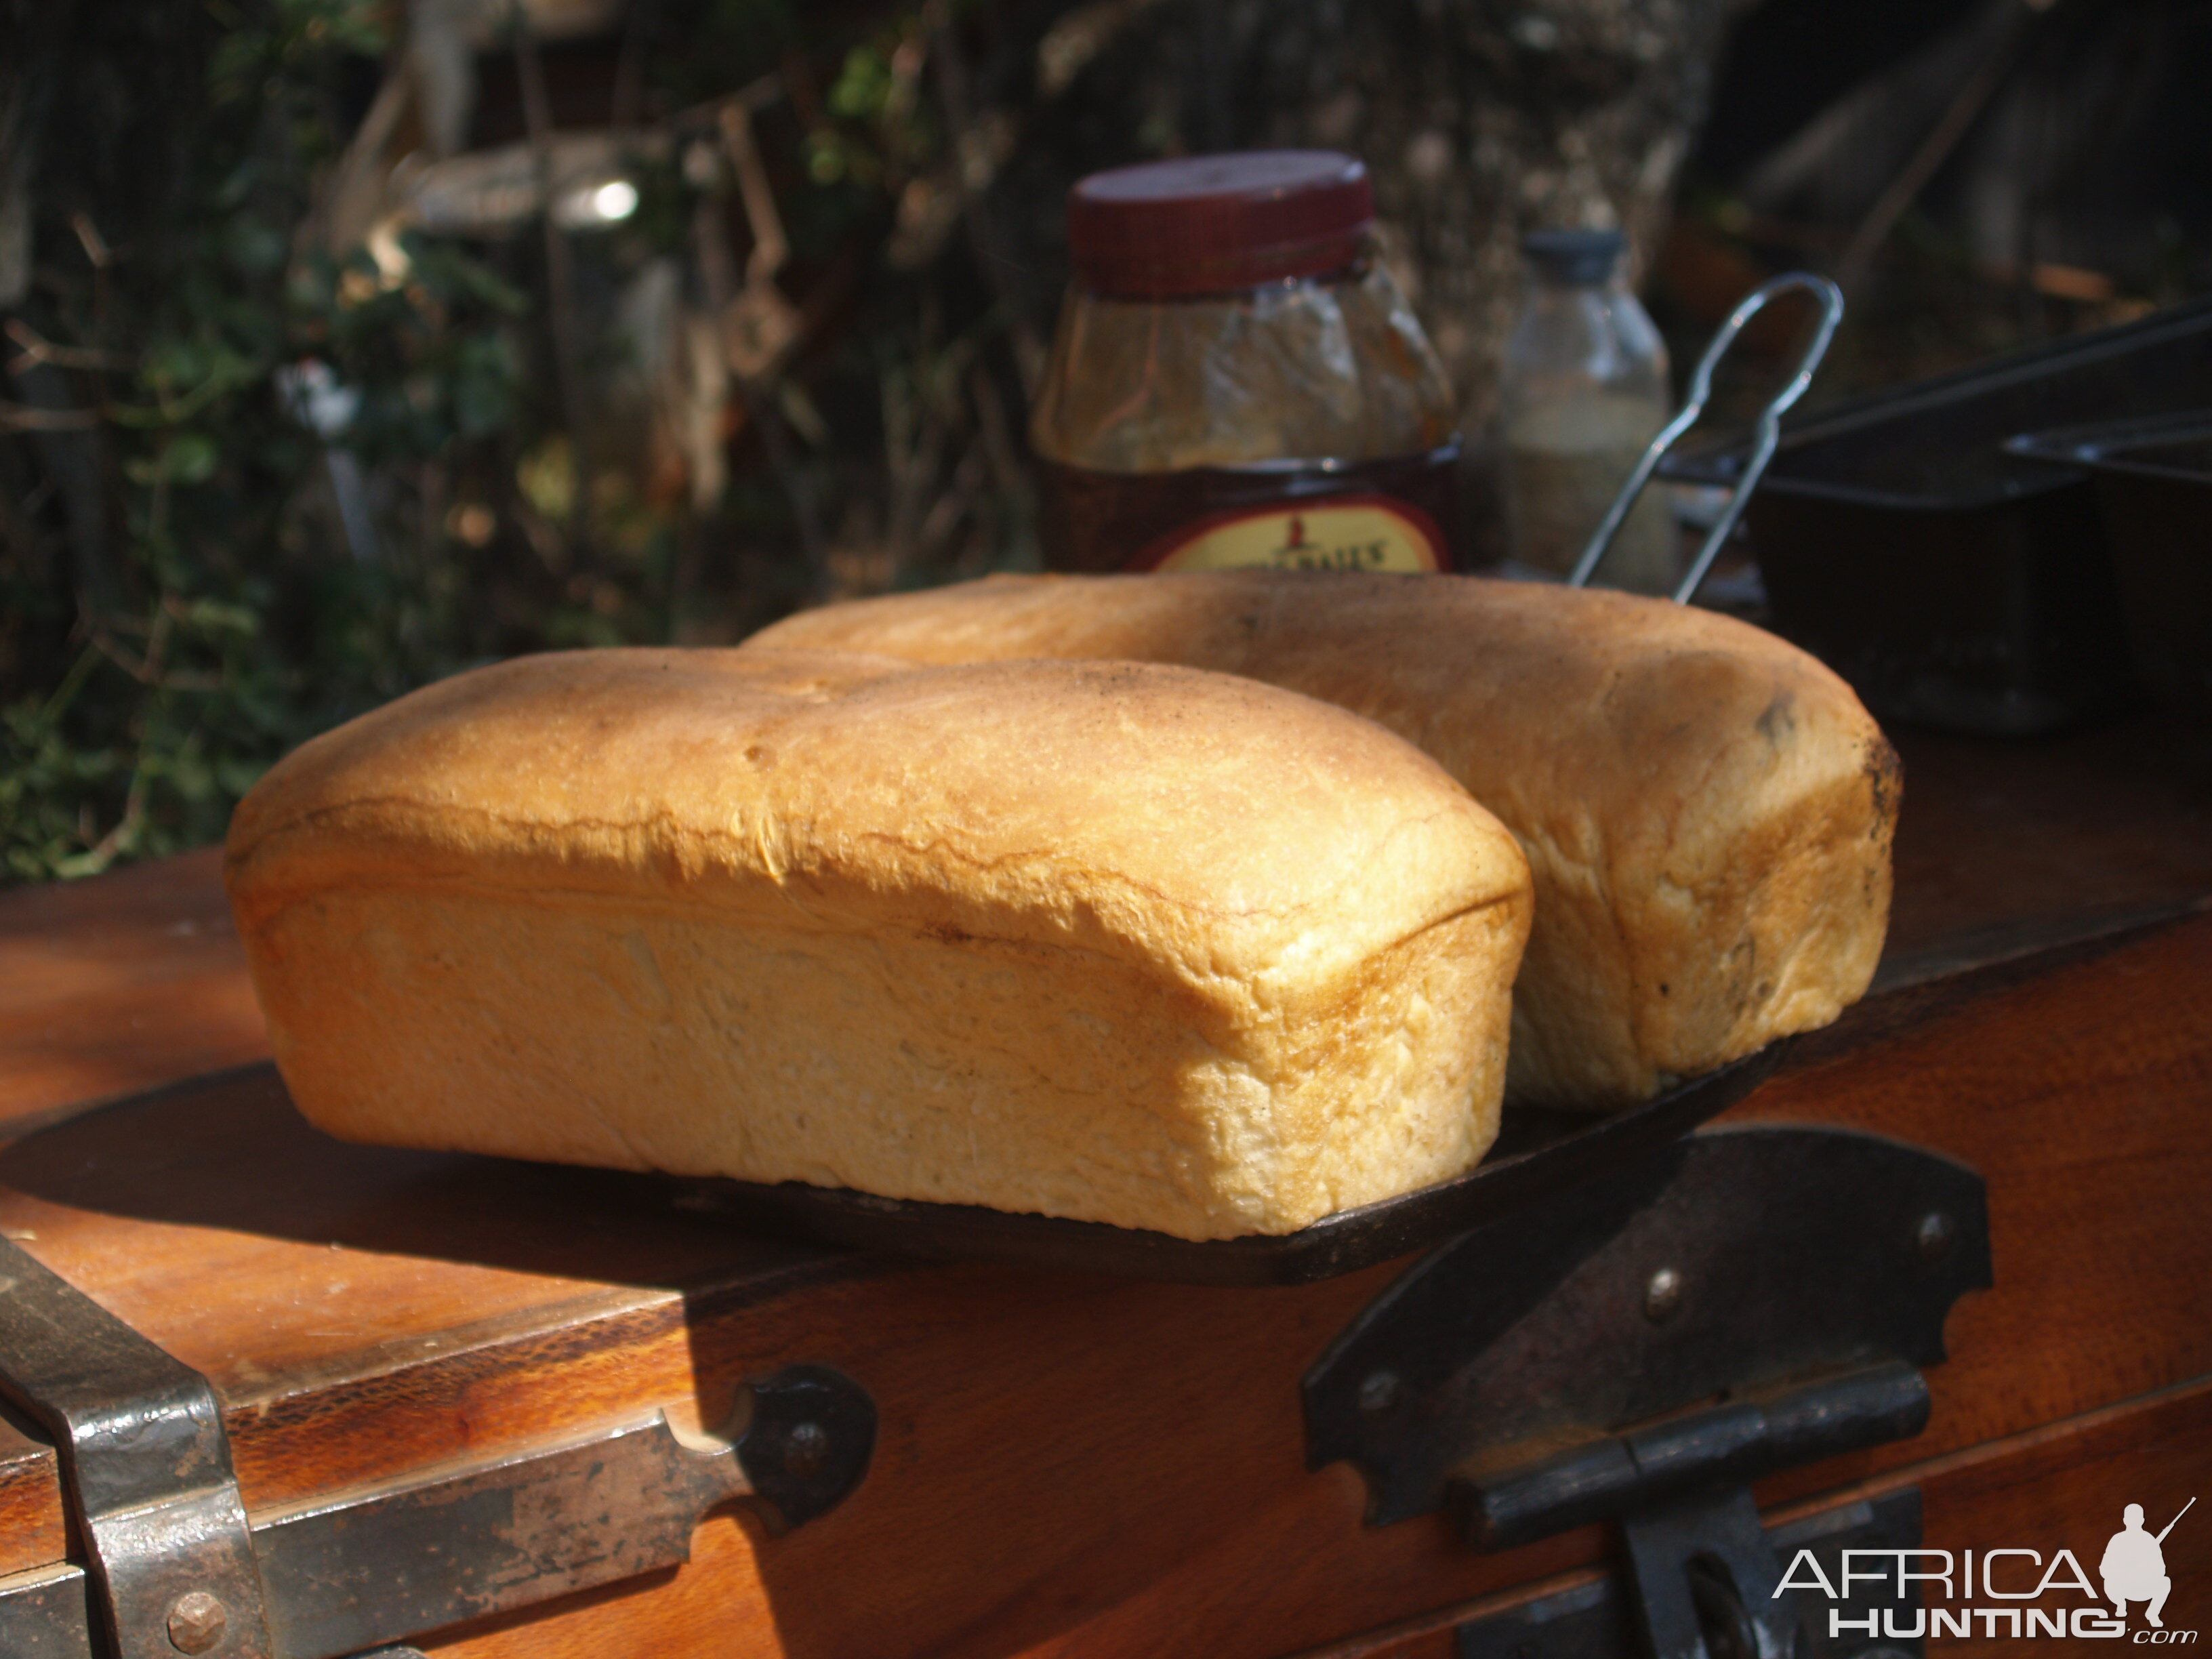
1237 379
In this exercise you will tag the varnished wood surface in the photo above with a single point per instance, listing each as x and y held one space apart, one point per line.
1127 1457
2003 846
1072 1466
2083 1096
120 984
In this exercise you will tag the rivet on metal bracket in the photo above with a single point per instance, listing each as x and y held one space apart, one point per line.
1662 1297
145 1459
197 1622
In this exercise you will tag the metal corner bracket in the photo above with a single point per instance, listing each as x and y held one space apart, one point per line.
1752 1299
175 1564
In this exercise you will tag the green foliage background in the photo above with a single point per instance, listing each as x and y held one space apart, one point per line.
181 598
253 482
150 671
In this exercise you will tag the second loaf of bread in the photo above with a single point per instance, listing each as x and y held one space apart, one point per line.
1707 810
1126 942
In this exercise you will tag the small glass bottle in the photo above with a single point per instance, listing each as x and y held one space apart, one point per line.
1237 379
1583 389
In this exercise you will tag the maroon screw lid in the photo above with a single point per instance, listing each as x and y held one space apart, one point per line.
1211 224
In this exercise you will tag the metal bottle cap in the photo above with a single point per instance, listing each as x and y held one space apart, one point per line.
1574 256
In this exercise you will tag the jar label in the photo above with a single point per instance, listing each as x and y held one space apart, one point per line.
1340 532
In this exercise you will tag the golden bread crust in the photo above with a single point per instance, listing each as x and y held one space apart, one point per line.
1707 810
1126 942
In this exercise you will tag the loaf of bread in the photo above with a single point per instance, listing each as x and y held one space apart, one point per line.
1707 810
1121 942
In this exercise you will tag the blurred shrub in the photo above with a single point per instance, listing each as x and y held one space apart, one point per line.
248 489
182 600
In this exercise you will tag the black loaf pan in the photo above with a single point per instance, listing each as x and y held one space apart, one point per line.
2154 483
1538 1155
1955 584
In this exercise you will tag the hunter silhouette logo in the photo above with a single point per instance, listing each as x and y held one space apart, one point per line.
1996 1593
2134 1567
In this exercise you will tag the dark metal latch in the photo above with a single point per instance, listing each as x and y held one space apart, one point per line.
1753 1299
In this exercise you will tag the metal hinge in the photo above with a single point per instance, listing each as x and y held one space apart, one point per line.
175 1564
1643 1350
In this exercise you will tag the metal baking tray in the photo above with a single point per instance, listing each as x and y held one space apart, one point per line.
1540 1154
2153 482
1953 583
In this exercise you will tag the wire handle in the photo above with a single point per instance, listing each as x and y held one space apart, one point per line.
1766 434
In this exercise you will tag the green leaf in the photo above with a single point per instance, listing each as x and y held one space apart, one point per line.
484 386
216 616
189 458
191 776
864 86
254 247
